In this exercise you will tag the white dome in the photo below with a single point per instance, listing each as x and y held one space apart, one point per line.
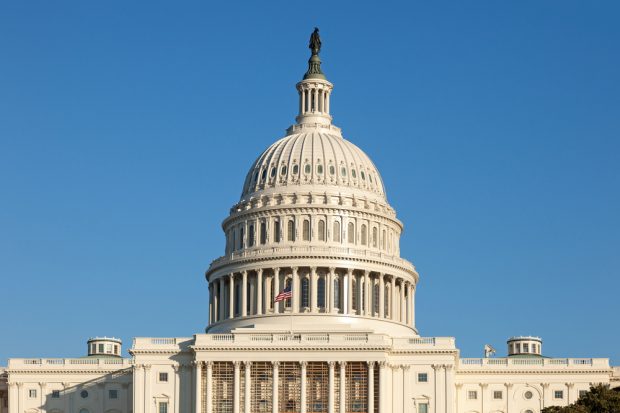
314 158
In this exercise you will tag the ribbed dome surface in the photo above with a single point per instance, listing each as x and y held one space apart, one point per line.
314 159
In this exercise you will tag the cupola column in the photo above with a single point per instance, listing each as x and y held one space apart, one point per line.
220 299
231 296
402 301
259 291
276 289
244 293
381 296
393 299
313 290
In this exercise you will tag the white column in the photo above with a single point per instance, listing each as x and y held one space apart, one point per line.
450 407
259 291
198 386
371 387
402 301
276 409
244 293
331 387
393 295
343 386
350 292
236 386
138 383
412 300
295 290
407 402
304 366
248 386
508 396
231 296
147 389
316 100
545 390
367 294
327 107
383 388
483 387
313 290
67 396
177 389
381 296
13 407
276 289
209 391
220 299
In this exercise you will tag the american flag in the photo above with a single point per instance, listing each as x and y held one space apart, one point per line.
284 295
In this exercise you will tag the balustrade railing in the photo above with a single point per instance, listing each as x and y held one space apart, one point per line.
534 361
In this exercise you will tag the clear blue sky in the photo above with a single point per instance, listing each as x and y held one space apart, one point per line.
126 130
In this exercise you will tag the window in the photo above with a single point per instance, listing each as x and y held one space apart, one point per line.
472 395
163 377
283 170
353 174
423 408
343 171
116 349
55 394
306 230
351 233
321 292
332 170
241 238
307 169
273 171
100 348
276 231
93 348
263 233
582 393
422 377
304 293
337 293
319 169
528 395
291 230
497 395
363 235
251 236
83 394
32 393
558 394
526 348
363 175
336 234
295 169
113 394
374 237
263 176
163 407
321 230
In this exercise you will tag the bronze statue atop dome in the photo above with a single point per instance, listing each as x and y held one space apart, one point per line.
315 42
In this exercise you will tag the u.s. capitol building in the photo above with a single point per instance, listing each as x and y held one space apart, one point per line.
311 309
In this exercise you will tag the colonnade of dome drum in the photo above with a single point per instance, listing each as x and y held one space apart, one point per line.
314 290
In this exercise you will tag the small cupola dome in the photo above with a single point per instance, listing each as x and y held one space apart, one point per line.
524 346
104 346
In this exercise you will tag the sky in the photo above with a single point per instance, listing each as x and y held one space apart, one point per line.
127 128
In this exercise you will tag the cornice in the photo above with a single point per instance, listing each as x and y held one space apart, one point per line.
533 371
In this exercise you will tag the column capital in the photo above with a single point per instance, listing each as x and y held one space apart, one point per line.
294 269
544 385
276 270
458 385
313 269
331 364
350 271
275 364
231 275
303 364
343 364
405 367
371 364
484 385
508 385
259 271
570 385
209 364
366 273
437 366
146 367
383 364
448 367
237 364
244 272
247 364
332 269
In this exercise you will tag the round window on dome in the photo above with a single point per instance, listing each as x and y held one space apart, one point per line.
363 175
528 395
332 170
295 169
343 171
307 169
319 169
353 173
283 170
83 394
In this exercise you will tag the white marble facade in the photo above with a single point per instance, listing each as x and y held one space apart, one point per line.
313 217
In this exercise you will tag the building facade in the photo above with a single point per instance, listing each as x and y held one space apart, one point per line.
311 310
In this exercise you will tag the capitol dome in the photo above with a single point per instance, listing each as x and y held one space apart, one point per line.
312 158
313 242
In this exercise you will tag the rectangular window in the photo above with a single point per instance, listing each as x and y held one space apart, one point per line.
163 407
582 393
497 394
423 408
526 348
558 394
113 394
163 377
100 348
55 394
472 395
422 377
32 393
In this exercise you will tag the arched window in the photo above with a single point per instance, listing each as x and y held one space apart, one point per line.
336 234
337 293
374 237
251 235
320 290
287 284
351 233
263 232
363 235
375 300
305 297
241 238
321 230
291 230
276 231
353 293
306 230
383 240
